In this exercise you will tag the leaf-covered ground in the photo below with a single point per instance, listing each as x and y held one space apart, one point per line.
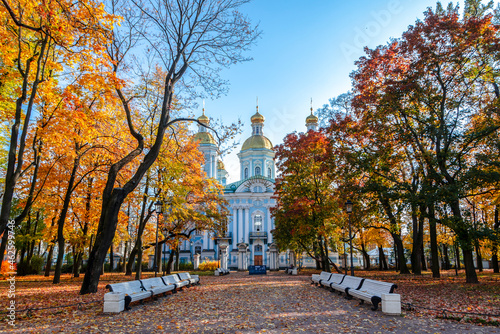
239 303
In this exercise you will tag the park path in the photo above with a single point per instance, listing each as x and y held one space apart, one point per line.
239 303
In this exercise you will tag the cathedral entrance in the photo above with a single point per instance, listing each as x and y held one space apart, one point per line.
257 260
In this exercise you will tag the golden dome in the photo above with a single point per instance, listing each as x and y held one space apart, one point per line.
220 165
311 119
204 119
257 142
204 138
257 118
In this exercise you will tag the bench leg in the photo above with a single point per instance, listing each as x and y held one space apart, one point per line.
375 301
128 299
361 302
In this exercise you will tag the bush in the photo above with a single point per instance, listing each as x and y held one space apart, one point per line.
34 267
186 266
36 264
209 265
67 268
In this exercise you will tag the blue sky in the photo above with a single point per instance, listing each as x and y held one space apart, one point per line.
307 50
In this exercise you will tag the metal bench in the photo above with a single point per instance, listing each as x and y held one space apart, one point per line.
157 286
334 278
371 291
133 290
349 282
317 279
193 279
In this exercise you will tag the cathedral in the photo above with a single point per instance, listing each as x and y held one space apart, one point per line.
248 240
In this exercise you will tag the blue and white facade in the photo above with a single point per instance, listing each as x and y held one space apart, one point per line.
248 240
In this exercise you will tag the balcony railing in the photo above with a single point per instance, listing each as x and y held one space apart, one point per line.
258 235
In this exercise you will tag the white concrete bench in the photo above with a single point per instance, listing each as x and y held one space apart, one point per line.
334 278
317 279
193 279
157 286
133 290
349 282
221 271
371 291
173 279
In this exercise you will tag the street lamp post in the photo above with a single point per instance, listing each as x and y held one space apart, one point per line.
348 209
158 209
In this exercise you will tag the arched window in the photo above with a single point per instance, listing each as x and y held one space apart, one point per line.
258 248
257 170
197 249
269 174
246 173
257 220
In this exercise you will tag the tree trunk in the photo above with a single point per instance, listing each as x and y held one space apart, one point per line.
170 260
422 254
447 265
140 229
105 235
494 249
49 261
61 220
479 258
403 268
77 264
131 259
457 256
382 259
470 272
325 259
417 221
434 245
316 256
138 269
398 243
125 256
465 240
365 256
111 258
176 265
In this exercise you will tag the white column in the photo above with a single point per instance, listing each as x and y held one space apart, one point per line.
240 224
208 161
269 226
196 263
214 167
205 240
247 226
235 229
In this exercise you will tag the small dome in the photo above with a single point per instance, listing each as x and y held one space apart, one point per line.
220 165
204 138
257 118
204 119
311 119
257 142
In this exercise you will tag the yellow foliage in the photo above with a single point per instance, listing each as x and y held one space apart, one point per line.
209 265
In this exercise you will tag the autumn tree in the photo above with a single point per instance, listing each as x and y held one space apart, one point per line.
429 86
38 41
308 208
191 40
